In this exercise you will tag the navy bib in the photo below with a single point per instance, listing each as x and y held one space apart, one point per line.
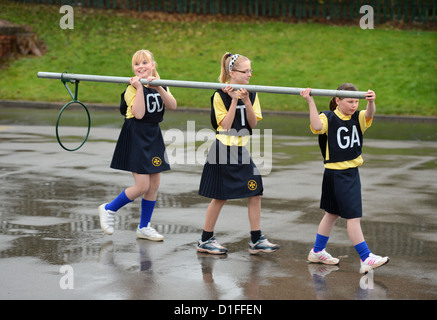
345 139
153 104
240 123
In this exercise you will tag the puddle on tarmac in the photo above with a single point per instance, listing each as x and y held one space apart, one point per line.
48 210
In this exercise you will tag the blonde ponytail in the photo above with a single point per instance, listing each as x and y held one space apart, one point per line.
229 62
224 68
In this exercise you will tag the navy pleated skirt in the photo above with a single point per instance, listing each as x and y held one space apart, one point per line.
140 148
229 173
341 193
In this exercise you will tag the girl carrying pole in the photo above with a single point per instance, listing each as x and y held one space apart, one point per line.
340 133
140 147
229 172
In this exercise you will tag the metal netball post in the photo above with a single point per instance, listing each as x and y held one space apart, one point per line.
204 85
74 101
75 78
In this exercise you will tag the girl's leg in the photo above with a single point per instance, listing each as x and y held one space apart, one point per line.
120 201
152 192
258 242
324 231
212 214
207 243
254 211
327 224
317 253
149 200
141 186
354 231
356 236
107 211
146 185
369 260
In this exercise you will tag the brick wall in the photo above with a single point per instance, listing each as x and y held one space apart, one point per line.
8 38
8 44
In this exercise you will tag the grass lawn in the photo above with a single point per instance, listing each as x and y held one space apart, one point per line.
400 66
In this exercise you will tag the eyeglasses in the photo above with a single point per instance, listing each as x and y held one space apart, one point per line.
245 71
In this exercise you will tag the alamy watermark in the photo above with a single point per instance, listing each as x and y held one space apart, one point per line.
367 282
67 20
367 20
193 146
67 280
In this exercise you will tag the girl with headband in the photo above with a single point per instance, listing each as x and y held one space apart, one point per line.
229 172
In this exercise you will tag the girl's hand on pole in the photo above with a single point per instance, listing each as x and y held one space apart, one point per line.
306 94
370 95
150 79
244 95
316 123
230 91
371 108
135 82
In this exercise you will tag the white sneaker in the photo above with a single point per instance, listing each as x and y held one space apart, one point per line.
210 246
372 262
149 233
322 257
262 245
107 218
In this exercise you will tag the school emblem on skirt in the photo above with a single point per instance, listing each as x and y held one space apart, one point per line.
156 161
252 185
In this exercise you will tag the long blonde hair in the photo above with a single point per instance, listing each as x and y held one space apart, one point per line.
146 55
226 66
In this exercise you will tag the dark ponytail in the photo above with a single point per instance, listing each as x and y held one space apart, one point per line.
344 86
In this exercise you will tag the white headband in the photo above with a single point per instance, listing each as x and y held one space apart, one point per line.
231 64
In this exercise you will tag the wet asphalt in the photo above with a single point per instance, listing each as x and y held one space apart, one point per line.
52 247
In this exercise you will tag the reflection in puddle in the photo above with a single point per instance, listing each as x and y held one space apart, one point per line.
48 211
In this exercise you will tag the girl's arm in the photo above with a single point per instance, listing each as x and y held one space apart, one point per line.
316 123
371 107
230 116
169 101
138 107
250 112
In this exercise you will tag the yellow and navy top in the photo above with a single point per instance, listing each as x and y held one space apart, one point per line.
153 103
241 131
140 146
343 137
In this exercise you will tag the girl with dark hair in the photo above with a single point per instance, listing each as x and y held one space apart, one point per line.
340 133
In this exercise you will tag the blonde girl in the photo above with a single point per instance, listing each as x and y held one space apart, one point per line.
229 172
140 147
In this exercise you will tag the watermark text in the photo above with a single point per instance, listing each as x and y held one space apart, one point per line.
67 20
67 280
367 20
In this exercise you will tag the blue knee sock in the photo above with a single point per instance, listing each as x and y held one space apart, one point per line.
146 212
321 242
118 202
363 250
